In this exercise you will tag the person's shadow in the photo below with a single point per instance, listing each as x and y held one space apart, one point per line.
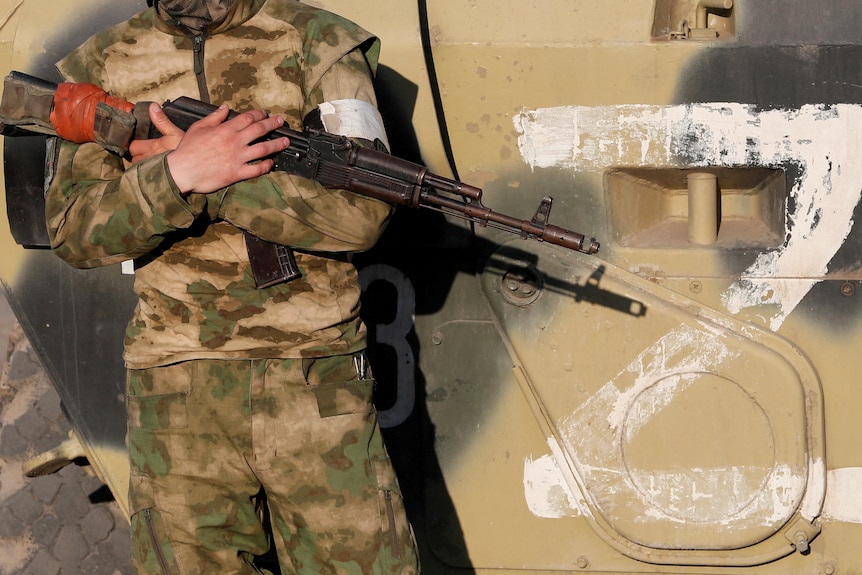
427 252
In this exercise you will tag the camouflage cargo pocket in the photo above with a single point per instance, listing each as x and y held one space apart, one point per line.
399 548
157 398
156 405
398 556
353 397
151 548
336 387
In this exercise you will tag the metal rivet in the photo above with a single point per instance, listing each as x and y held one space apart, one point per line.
522 285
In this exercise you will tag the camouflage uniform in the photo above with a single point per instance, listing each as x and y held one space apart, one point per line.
233 388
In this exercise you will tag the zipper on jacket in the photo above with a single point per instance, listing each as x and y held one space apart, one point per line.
393 530
198 42
160 555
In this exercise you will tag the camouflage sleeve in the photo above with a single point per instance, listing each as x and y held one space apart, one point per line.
300 213
100 213
100 210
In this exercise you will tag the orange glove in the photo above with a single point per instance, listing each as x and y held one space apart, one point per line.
74 112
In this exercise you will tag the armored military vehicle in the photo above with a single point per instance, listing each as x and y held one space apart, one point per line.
685 401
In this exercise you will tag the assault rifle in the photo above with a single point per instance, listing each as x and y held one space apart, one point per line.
333 161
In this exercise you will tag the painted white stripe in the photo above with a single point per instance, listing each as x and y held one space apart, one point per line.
823 141
547 494
545 489
843 495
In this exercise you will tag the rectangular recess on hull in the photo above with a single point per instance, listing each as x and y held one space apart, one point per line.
651 207
701 20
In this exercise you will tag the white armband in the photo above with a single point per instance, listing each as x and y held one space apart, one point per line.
354 119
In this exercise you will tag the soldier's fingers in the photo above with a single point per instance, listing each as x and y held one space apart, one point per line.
161 121
243 121
213 119
249 171
266 148
261 127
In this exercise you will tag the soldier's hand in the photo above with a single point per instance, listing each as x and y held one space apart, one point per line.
171 136
216 152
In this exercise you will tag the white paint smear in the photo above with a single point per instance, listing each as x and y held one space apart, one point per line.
823 141
668 367
843 495
652 365
547 494
545 489
823 144
763 493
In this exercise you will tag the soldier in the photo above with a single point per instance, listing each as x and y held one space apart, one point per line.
236 391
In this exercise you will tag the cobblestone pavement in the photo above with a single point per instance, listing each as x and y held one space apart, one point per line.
60 524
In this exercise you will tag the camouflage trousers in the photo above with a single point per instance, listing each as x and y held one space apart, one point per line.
207 437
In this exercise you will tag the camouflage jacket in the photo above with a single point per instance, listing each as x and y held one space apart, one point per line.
197 298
